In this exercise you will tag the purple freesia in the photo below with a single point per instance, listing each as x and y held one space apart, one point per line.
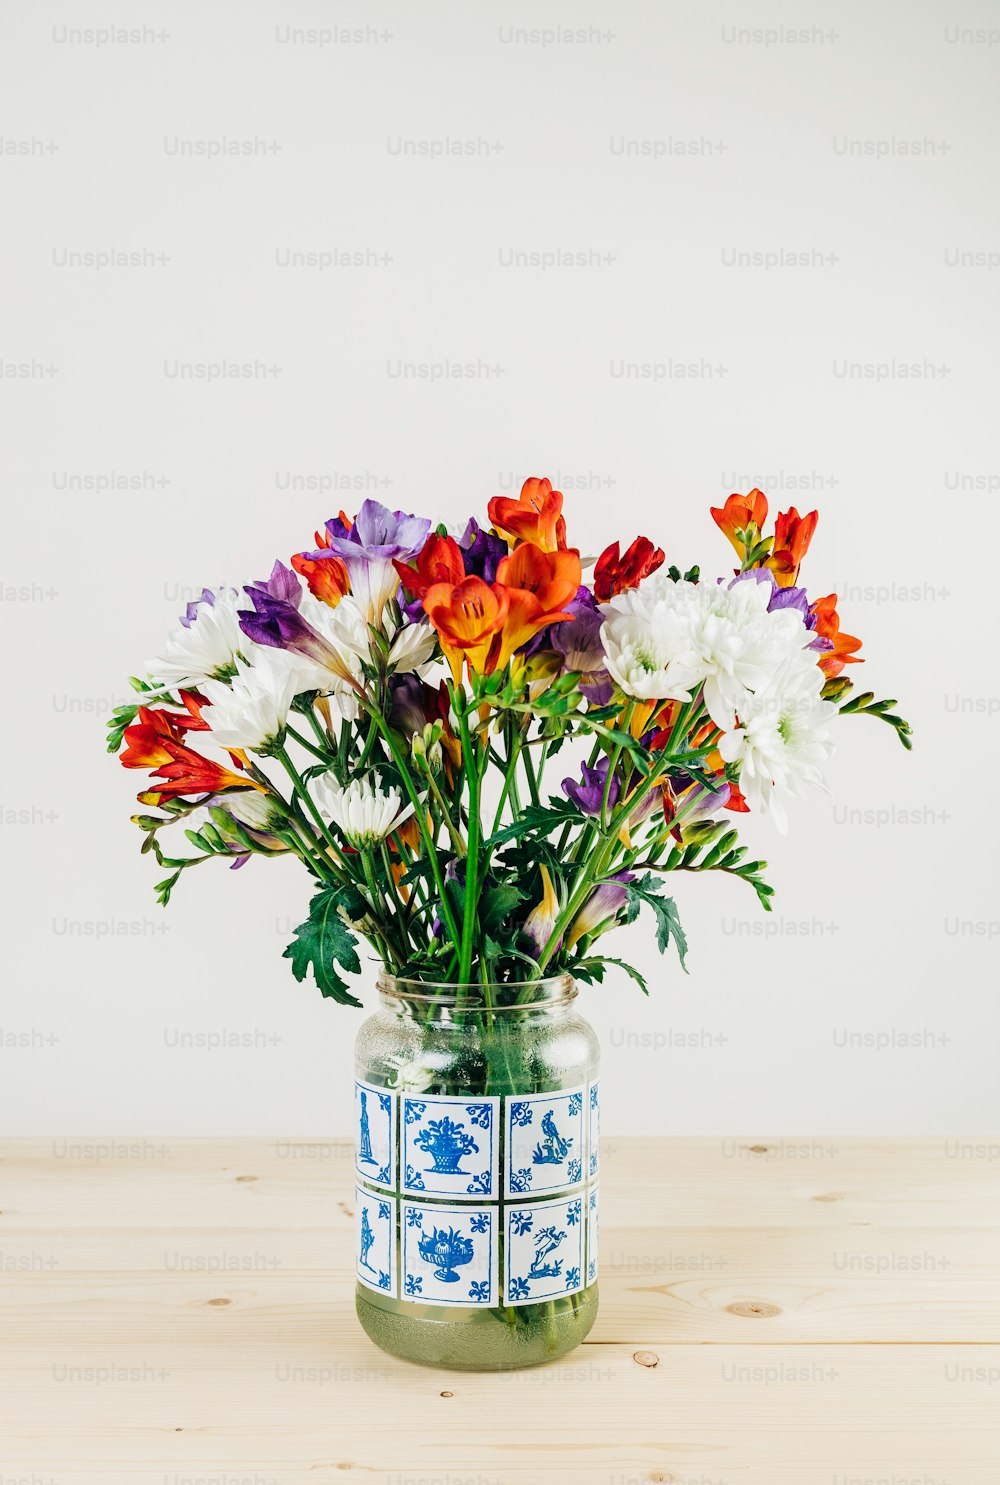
588 795
191 611
601 908
482 552
282 584
277 623
578 641
367 551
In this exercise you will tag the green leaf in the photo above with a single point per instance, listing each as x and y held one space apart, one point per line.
322 942
597 962
540 817
668 923
497 904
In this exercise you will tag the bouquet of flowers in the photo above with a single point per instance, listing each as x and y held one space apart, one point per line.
391 707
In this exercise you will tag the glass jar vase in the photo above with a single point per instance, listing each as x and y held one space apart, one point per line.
477 1161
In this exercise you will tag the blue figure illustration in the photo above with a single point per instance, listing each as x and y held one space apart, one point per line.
367 1239
365 1148
547 1239
446 1142
553 1148
446 1251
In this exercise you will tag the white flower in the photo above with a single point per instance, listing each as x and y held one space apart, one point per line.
344 630
412 649
783 737
253 809
206 644
348 629
365 814
253 710
664 639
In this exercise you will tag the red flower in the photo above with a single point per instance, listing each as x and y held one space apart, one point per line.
440 561
614 573
154 742
792 535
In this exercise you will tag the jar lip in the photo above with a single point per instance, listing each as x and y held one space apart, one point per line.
550 990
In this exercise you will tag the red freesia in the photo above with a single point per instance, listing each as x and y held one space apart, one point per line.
156 742
440 561
535 516
792 535
832 662
614 573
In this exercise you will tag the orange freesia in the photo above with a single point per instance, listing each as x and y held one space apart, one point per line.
832 662
326 576
539 585
468 617
614 573
792 535
440 561
536 516
553 577
738 515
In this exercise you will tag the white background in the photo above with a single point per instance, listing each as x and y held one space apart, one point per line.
886 914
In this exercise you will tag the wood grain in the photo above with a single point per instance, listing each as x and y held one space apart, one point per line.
181 1311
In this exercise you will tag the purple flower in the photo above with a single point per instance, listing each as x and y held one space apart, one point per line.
588 795
191 612
482 552
378 536
277 622
602 906
282 584
578 641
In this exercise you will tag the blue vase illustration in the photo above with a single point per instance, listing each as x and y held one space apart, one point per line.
546 1242
367 1239
447 1250
553 1148
365 1147
446 1142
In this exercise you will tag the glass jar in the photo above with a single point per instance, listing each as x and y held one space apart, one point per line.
477 1160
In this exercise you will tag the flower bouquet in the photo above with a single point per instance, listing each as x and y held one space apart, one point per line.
389 710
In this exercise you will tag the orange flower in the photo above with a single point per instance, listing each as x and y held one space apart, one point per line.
536 515
440 561
468 617
539 584
738 515
792 535
832 662
326 576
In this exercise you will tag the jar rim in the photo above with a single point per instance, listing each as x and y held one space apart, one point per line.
549 990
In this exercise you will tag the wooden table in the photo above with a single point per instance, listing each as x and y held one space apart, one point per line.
816 1310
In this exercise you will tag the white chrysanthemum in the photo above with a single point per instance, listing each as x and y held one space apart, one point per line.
207 646
783 737
664 639
365 814
252 711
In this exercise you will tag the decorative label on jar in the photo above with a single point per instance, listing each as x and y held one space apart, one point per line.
452 1222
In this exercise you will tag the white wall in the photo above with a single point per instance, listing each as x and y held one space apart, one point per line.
92 578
